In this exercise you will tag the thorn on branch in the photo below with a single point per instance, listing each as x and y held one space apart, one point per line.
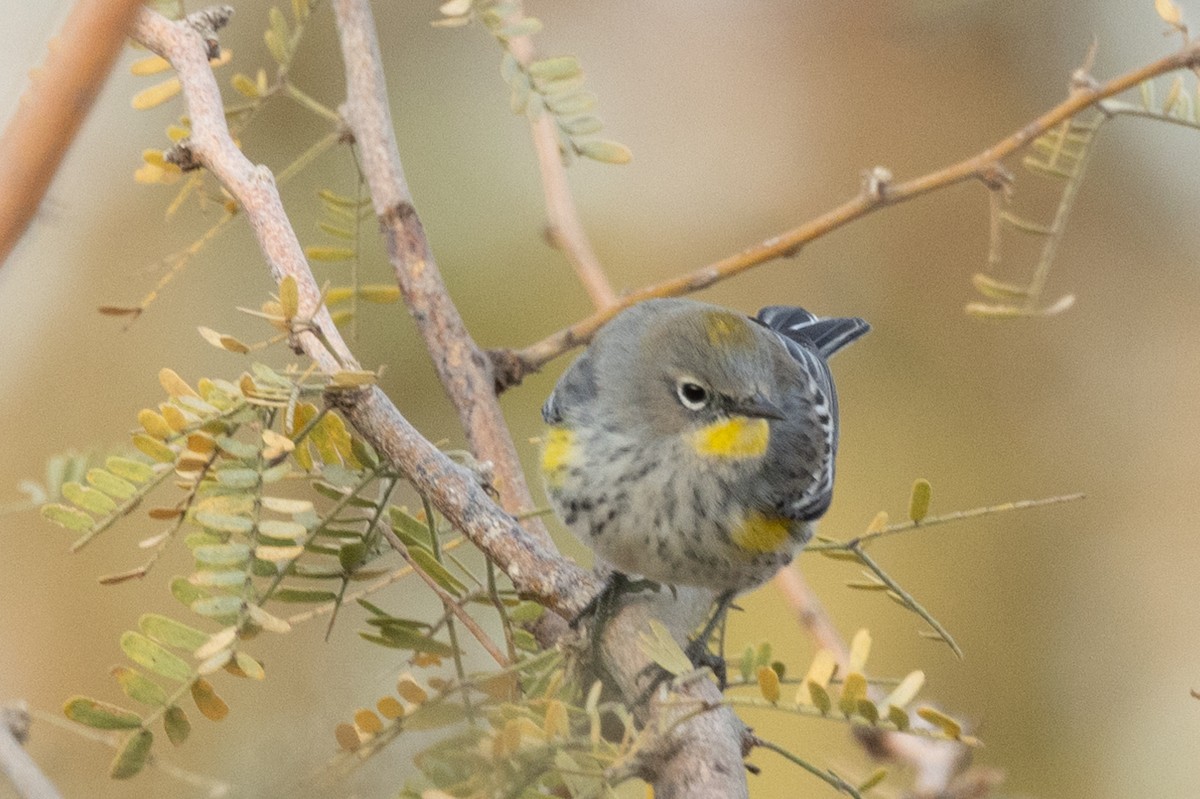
206 22
182 155
876 183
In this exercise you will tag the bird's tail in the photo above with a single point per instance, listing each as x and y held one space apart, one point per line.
825 336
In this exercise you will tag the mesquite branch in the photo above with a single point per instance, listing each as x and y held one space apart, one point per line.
695 754
879 191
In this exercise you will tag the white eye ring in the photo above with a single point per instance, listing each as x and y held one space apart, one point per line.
691 394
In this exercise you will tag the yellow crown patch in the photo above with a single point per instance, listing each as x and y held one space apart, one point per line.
726 329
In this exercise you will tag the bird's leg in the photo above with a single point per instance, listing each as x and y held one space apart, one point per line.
604 603
697 649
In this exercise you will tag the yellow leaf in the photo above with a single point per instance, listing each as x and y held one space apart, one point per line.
821 671
244 85
154 424
860 649
150 65
352 378
379 293
278 554
949 727
176 418
154 448
347 737
1169 12
289 297
390 708
367 722
324 253
210 705
156 95
175 385
918 502
557 721
879 523
906 691
768 683
854 690
608 152
410 689
249 666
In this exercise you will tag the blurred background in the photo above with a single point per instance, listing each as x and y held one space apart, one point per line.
1079 622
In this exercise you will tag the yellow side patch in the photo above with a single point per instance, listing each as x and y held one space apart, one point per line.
557 453
736 437
726 329
758 533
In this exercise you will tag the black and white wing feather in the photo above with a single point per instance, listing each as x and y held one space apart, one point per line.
811 341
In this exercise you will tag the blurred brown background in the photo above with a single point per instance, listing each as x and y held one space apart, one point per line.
1081 623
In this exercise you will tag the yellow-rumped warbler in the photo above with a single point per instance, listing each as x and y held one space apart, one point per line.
693 445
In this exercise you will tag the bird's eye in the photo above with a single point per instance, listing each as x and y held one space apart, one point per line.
692 395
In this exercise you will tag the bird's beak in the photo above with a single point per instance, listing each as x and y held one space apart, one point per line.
757 407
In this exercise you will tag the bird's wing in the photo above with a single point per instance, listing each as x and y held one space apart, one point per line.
811 341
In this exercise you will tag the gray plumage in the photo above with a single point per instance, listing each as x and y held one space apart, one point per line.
697 445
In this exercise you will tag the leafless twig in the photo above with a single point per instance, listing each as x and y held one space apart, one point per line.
563 226
877 193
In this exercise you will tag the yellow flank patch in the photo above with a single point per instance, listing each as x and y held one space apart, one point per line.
726 329
735 438
758 533
557 453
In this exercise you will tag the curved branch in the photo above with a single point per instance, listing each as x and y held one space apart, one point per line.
879 192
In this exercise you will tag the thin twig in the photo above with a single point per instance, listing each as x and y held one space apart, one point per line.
834 780
209 785
908 599
51 112
563 226
448 600
946 518
984 166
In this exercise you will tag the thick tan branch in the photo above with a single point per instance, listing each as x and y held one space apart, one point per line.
54 108
464 370
880 192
